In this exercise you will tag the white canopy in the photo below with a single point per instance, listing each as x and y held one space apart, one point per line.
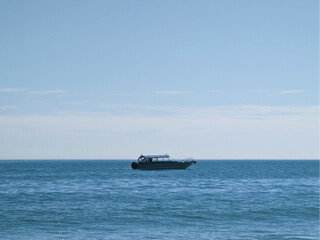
155 156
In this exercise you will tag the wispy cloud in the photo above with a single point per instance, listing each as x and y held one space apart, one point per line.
13 90
292 91
238 111
256 91
47 92
30 91
183 92
173 92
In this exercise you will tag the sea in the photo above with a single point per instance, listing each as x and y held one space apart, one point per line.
106 199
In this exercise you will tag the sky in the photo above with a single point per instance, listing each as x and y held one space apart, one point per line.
216 79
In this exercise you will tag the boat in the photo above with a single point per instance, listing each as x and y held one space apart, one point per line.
160 162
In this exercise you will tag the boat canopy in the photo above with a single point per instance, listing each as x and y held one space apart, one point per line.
155 156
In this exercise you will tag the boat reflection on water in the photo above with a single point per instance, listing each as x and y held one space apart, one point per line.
160 162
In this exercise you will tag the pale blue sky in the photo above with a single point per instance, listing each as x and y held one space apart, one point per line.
112 79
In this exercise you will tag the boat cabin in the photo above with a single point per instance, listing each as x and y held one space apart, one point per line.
151 158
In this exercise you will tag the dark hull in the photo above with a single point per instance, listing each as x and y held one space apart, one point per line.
161 165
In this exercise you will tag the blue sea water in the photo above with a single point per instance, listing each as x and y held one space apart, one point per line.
222 199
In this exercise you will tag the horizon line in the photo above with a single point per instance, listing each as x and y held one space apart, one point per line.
128 159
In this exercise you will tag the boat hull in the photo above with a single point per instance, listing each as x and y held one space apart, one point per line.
161 165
